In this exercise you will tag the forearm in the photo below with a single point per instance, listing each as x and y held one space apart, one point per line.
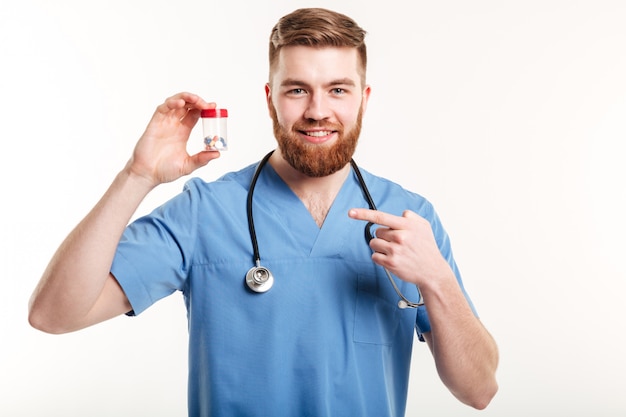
78 272
466 356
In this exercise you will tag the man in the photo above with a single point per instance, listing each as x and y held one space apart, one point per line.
328 338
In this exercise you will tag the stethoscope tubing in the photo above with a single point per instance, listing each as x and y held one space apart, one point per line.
255 177
260 279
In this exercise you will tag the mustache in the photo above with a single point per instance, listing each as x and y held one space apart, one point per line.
313 124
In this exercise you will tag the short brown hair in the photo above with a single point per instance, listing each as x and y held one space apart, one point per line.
317 27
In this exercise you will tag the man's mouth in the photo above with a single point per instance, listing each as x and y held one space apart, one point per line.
318 133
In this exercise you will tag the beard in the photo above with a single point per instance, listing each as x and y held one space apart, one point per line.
311 159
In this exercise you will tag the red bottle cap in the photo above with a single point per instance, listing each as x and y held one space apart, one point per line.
214 113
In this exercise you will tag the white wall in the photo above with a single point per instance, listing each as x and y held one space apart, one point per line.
509 115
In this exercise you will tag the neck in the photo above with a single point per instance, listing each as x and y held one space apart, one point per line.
316 193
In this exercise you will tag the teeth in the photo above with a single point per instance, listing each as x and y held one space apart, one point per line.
319 134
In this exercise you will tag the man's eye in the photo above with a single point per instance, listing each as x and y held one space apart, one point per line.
297 91
339 91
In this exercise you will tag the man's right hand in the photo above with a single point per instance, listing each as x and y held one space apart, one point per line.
161 155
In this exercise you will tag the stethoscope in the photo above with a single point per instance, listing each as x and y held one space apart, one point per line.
260 279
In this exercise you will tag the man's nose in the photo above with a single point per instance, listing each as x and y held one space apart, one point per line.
318 108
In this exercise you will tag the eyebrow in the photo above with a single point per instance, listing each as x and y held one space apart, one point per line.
296 82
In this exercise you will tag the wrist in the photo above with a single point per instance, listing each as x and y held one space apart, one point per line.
136 179
132 186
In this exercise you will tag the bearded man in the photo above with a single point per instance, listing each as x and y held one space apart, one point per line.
295 314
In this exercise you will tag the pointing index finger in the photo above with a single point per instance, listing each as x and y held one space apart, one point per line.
377 217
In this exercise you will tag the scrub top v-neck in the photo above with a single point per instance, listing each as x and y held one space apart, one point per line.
298 224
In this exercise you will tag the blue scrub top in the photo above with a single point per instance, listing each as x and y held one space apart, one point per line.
326 340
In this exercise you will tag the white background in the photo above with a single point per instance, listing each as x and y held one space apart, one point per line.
510 116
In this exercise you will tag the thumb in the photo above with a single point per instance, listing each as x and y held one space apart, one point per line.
202 158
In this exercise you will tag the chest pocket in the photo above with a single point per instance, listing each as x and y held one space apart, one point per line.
377 319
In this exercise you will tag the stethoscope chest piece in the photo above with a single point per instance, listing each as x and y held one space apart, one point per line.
259 279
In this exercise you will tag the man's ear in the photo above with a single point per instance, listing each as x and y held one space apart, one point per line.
268 98
366 96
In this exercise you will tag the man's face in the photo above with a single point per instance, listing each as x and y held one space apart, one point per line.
316 102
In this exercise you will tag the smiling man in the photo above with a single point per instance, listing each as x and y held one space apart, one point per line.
328 339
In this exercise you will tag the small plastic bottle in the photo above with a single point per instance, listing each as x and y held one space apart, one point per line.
214 129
